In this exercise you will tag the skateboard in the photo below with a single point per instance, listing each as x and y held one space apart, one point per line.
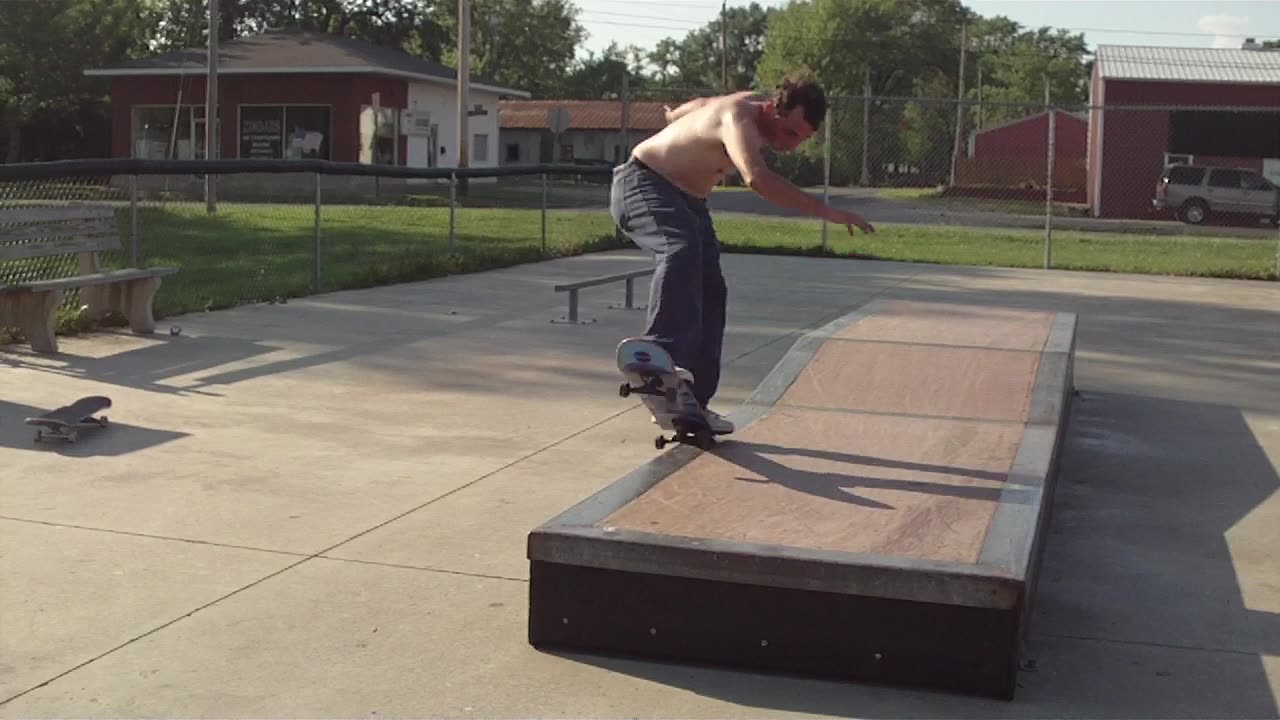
651 373
65 422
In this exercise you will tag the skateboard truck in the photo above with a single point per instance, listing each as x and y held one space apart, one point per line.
651 387
65 422
688 433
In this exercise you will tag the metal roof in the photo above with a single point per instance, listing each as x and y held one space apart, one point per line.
1195 65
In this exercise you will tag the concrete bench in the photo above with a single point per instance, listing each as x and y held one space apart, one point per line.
45 251
573 288
878 516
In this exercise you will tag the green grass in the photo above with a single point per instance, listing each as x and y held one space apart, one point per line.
262 252
1229 257
1014 207
249 253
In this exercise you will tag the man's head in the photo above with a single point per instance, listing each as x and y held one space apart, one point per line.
794 113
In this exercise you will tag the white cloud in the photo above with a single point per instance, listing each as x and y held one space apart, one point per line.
1229 31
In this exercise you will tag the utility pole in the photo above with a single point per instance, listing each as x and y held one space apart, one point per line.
464 86
724 44
964 53
211 111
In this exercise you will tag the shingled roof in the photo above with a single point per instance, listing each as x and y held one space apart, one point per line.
298 52
583 114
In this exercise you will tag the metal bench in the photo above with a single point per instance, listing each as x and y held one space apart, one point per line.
574 287
33 280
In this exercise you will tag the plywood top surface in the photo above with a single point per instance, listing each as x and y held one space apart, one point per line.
912 487
895 439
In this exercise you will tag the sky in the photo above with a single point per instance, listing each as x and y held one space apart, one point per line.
1185 23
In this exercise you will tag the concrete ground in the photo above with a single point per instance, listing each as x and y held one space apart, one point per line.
319 509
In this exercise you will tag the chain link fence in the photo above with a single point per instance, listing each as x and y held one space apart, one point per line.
269 236
1178 190
1039 184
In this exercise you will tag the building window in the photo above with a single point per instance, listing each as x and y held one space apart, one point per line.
480 147
379 132
284 132
513 152
168 133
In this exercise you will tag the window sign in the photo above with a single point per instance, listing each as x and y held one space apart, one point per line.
261 133
291 132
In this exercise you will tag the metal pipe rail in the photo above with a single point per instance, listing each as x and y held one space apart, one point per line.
573 288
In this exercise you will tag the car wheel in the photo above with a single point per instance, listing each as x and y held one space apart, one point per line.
1195 212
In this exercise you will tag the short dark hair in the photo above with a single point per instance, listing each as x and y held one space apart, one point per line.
801 89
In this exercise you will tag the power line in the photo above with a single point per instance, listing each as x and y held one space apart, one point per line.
693 23
639 25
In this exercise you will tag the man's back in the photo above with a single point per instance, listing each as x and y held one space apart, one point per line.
690 152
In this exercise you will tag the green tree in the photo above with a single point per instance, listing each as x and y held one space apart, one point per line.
599 77
45 46
1015 63
905 48
410 25
527 44
697 60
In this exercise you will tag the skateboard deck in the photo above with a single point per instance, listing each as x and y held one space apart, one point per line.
651 374
66 421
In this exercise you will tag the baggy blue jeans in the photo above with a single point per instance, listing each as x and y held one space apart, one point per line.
687 297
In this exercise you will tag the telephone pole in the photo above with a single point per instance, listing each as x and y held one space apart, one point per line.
964 54
724 44
464 86
211 111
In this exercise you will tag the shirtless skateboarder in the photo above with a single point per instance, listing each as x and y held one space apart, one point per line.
659 199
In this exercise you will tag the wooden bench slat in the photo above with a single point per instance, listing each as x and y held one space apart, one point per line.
50 230
45 213
103 278
61 246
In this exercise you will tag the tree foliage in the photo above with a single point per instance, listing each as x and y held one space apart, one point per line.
528 44
45 46
905 48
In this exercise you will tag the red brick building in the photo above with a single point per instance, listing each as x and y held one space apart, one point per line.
294 94
1154 105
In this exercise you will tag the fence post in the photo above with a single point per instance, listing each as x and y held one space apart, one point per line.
866 127
1048 195
544 214
315 281
133 220
826 176
453 201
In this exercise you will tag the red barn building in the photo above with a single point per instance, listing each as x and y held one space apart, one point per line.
1015 155
1153 105
1028 138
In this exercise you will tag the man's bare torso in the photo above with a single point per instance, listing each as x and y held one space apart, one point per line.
690 151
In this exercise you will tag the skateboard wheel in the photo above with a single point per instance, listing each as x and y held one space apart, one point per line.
624 390
704 439
660 442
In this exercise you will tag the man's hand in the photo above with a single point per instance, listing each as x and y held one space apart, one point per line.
848 219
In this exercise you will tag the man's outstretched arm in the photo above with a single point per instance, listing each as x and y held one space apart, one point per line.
742 142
